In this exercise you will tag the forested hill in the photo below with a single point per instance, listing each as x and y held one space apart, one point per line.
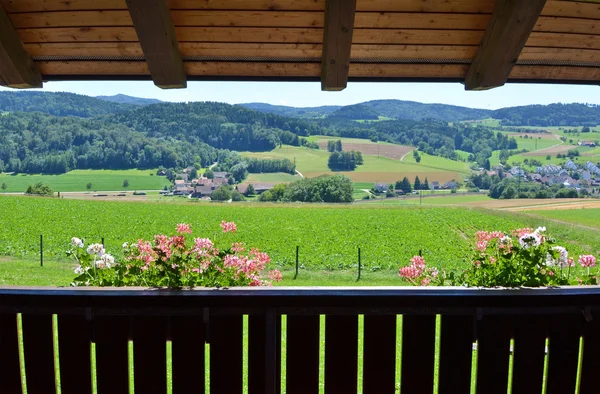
395 109
125 99
550 115
59 104
296 112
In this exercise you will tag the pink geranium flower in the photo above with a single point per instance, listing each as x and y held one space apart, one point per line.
587 261
184 228
275 275
228 227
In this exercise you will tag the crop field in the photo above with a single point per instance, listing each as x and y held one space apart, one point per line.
311 163
328 236
366 147
101 180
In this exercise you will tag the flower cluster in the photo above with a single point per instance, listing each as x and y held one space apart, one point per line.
173 261
418 273
522 257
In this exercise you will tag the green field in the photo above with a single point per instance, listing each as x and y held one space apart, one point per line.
328 236
445 200
101 180
585 217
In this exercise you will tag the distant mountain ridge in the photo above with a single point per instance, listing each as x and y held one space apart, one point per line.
369 110
558 114
125 99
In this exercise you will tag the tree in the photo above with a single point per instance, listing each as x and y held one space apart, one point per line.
487 165
250 190
585 129
338 145
4 186
223 193
417 156
89 186
209 174
126 183
406 186
330 146
193 173
237 196
417 185
426 184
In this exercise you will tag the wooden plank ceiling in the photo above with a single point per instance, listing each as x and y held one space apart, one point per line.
483 43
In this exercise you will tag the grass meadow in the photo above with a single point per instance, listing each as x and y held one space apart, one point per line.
101 180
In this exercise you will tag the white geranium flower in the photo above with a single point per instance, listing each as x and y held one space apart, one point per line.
530 240
106 261
540 230
562 258
79 270
97 249
77 242
125 245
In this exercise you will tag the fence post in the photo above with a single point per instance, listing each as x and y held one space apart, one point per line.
41 250
297 252
359 265
102 241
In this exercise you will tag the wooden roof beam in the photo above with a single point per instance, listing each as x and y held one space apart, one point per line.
508 30
337 42
17 69
156 33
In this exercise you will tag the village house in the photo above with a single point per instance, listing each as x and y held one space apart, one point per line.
591 144
259 188
434 185
450 185
381 187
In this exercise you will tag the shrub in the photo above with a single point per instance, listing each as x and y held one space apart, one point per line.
39 189
172 261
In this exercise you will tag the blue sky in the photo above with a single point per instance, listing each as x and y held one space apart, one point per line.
305 94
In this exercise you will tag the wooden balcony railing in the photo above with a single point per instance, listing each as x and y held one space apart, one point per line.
80 339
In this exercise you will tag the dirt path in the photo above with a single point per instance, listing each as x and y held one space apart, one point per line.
403 156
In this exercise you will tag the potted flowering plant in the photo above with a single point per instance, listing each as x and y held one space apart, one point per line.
172 261
523 257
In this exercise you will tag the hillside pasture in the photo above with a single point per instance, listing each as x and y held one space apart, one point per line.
313 162
396 152
274 178
75 181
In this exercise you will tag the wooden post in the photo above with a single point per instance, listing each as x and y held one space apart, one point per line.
297 253
41 250
102 241
359 265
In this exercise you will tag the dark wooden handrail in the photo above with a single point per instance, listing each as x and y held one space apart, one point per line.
531 326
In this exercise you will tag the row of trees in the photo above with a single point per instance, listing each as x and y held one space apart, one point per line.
334 145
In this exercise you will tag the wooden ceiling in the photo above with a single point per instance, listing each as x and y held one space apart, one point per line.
482 43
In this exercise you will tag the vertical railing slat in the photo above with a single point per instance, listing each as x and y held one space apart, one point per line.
225 336
591 355
111 334
150 354
565 331
493 334
74 353
39 354
530 340
418 348
264 353
302 354
379 354
341 354
188 340
456 351
10 373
